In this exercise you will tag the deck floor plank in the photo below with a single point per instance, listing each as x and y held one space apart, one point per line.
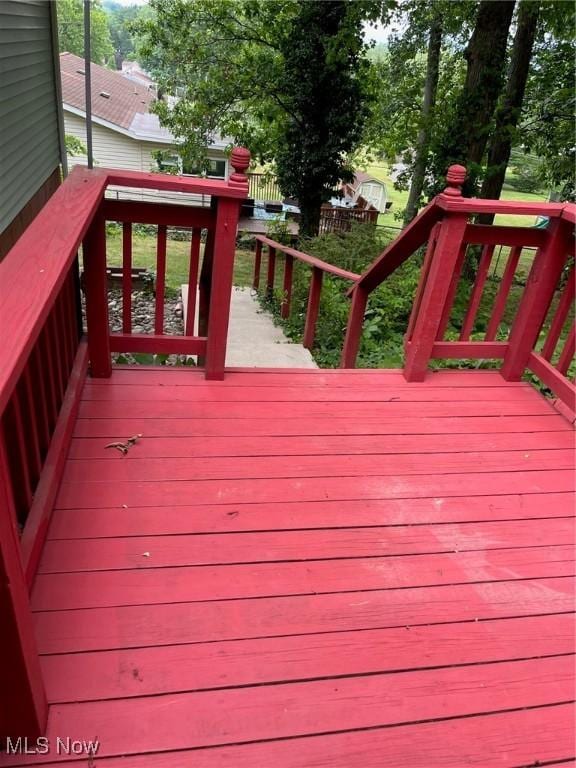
298 569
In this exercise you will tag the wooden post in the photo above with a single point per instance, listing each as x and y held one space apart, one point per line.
271 271
443 264
96 289
538 294
287 290
313 307
23 705
354 328
257 265
227 215
205 282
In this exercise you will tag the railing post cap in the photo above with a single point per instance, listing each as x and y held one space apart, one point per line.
455 178
239 160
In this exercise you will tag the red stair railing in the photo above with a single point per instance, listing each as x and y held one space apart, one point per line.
444 227
44 361
319 268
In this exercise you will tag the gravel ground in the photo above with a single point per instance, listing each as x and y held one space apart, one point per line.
143 304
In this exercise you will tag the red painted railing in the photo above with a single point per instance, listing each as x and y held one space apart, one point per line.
319 268
546 302
44 360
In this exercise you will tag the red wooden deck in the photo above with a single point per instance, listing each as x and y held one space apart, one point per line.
332 568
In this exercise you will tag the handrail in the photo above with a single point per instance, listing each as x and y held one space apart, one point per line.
319 268
44 361
444 225
313 261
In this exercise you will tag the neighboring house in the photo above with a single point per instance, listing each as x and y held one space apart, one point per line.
371 189
31 129
125 134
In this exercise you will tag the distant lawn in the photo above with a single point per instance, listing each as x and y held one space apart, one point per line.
399 199
177 258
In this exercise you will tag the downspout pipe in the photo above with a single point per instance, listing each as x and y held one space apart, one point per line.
88 83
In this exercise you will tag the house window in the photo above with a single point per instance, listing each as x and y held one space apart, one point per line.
173 163
216 169
168 163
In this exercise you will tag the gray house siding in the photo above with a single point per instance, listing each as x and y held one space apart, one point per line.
29 134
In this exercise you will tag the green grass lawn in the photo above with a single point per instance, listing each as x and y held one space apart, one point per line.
177 258
399 200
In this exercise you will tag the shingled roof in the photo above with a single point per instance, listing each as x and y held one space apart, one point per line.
115 98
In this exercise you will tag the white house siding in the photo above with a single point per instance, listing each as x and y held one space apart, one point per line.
112 149
29 139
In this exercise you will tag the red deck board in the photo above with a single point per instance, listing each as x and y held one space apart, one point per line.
246 394
528 405
496 740
326 445
64 556
167 427
98 589
311 489
232 716
170 520
172 623
175 668
115 469
296 568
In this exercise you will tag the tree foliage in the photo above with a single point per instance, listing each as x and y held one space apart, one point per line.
121 19
70 14
288 79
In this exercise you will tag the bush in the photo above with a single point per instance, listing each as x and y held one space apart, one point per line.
388 310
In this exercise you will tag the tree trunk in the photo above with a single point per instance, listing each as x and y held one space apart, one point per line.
508 115
467 134
428 103
310 217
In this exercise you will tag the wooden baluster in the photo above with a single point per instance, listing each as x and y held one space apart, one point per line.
257 265
69 314
95 282
47 365
445 319
127 277
271 271
227 215
542 282
39 381
354 328
63 338
313 307
287 289
15 432
53 335
205 282
30 418
422 282
160 280
567 353
503 292
193 281
477 291
559 318
22 697
434 298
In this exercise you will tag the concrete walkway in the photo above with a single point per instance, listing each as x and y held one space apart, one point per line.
253 339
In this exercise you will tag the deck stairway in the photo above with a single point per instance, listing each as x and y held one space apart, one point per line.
292 568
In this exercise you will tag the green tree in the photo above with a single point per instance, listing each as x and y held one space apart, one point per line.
286 79
547 125
70 15
508 113
121 21
468 126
